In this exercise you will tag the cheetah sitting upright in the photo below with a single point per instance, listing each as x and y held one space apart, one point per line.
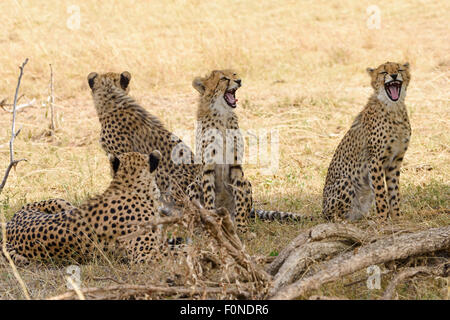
127 127
221 181
54 230
371 152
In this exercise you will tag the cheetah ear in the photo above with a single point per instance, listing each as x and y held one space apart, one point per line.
370 71
115 163
406 65
125 78
91 78
199 85
153 160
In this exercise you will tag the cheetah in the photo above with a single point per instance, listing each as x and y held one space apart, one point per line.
368 159
128 127
221 181
56 231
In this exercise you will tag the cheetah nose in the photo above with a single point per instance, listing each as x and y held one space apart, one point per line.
238 81
394 76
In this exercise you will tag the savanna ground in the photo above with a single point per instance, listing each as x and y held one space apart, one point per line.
303 69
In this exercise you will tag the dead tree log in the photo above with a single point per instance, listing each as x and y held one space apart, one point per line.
317 233
387 249
300 259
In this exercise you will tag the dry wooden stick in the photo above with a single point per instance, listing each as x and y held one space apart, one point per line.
146 226
383 250
408 273
20 107
10 260
51 100
14 134
220 226
149 289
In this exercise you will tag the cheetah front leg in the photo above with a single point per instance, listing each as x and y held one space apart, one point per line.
393 182
242 194
208 186
377 181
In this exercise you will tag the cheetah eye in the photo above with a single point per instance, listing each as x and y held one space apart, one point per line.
224 78
400 70
384 72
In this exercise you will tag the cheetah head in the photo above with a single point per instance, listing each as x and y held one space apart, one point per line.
134 170
390 80
118 80
218 89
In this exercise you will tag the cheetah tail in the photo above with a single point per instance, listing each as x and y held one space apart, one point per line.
280 215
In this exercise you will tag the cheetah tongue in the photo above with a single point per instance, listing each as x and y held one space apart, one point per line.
394 91
230 98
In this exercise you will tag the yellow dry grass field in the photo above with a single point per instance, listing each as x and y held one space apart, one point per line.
302 65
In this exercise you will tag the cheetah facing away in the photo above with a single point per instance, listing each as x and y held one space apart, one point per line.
127 127
368 159
54 230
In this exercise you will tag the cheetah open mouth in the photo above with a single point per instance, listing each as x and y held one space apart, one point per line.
393 89
230 97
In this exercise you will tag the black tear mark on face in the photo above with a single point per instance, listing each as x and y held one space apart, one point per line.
115 164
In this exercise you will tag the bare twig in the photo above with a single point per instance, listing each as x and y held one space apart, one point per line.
51 101
221 228
76 288
19 108
144 227
14 134
128 290
10 260
408 273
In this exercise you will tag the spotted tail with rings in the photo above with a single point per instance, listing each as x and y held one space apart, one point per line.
279 215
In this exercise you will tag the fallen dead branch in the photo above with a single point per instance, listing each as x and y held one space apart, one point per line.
124 291
317 233
412 272
384 250
221 228
300 260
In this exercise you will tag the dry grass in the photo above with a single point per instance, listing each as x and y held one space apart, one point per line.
302 64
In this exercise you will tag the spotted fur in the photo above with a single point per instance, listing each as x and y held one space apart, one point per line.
54 230
127 127
366 164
